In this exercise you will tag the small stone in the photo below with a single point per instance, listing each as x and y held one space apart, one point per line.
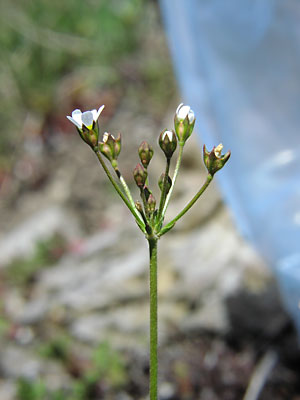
8 390
24 335
21 241
16 363
55 376
33 311
212 317
166 391
123 396
14 304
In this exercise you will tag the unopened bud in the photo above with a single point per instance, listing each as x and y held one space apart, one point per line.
147 192
214 160
161 183
110 146
139 206
140 175
184 122
168 142
145 153
151 202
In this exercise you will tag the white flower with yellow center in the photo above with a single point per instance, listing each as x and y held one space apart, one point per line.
87 118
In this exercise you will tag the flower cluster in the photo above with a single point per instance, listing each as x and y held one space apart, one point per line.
149 218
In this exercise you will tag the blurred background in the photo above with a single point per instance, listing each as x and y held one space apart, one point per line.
73 266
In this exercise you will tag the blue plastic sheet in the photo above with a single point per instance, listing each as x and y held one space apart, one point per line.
238 66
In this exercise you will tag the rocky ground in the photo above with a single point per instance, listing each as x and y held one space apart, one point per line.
74 285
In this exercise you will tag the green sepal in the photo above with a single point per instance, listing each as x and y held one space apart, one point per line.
213 160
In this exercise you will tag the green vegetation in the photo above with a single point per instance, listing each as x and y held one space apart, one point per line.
4 325
42 43
107 368
28 390
109 365
57 348
59 55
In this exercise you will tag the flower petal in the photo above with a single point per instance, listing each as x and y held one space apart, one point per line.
75 112
76 115
183 111
74 122
87 119
178 108
105 137
169 134
191 116
218 150
99 111
94 112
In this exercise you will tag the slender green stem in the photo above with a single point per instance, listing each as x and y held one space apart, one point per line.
133 210
148 227
163 192
153 318
126 188
147 179
170 225
181 145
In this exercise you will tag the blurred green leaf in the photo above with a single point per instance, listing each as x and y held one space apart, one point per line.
109 364
28 390
42 42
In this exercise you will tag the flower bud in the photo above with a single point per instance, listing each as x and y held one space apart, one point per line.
161 183
168 142
110 146
214 160
139 206
90 136
147 192
184 122
140 175
151 202
145 153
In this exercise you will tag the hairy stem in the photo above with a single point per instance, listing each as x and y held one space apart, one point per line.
133 210
163 192
127 191
153 318
181 145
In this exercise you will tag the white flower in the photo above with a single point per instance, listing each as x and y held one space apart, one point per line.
218 150
183 111
86 118
169 134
